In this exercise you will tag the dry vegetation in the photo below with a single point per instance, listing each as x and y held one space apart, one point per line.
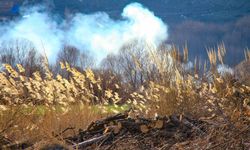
46 108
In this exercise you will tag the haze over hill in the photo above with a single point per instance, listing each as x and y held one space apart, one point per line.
168 10
200 24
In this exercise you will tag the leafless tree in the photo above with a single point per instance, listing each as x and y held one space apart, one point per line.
129 63
70 55
86 61
75 58
21 52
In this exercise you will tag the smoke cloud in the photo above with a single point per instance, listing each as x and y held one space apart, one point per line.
97 33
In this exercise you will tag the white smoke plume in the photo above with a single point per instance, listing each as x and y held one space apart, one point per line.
97 33
224 69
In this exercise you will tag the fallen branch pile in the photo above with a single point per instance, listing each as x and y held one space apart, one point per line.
121 132
149 133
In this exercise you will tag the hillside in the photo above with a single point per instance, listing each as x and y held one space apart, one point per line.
200 24
168 10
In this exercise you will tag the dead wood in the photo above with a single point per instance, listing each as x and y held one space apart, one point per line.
192 126
120 125
91 141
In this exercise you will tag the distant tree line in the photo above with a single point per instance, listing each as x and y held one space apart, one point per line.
22 52
133 66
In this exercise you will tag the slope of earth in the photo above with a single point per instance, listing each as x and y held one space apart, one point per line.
168 10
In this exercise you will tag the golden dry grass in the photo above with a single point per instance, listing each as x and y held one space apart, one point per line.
39 108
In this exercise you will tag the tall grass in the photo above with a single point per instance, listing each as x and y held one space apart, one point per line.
41 107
